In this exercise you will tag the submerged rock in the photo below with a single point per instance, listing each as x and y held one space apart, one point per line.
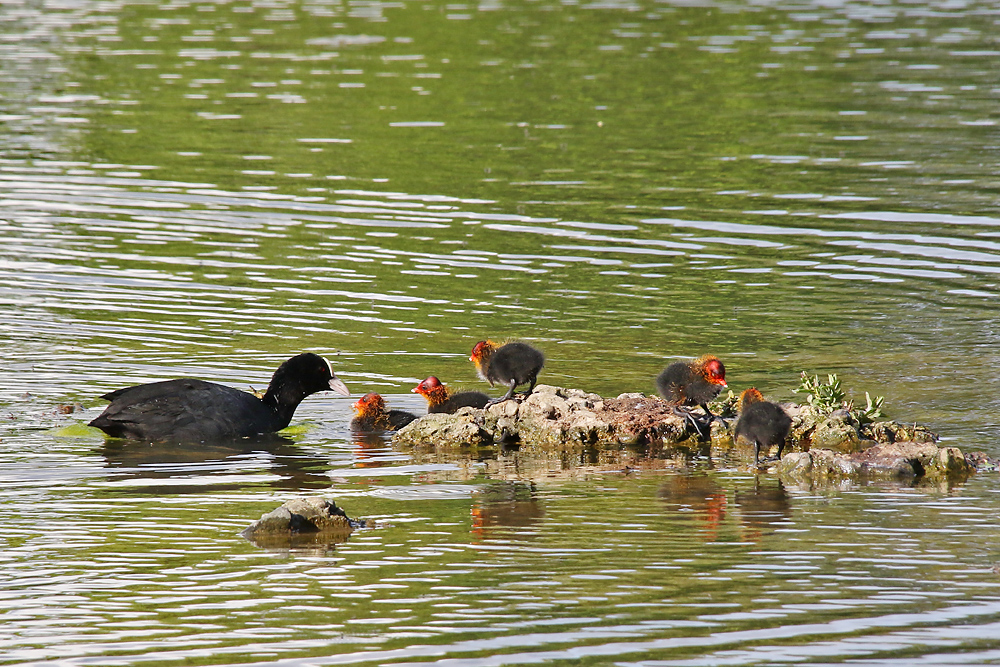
301 521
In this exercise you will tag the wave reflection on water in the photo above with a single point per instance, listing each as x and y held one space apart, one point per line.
434 583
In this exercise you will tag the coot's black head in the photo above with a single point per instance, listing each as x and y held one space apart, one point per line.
308 373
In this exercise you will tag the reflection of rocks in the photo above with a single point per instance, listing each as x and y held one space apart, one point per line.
553 417
301 522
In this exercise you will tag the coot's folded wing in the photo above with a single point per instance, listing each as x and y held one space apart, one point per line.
185 410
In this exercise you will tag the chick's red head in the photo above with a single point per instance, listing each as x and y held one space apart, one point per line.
369 404
712 370
481 352
427 386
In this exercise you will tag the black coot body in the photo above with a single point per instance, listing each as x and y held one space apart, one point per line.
188 410
692 383
764 424
512 364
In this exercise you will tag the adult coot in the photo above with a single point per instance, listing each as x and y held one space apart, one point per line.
510 364
442 399
188 410
692 382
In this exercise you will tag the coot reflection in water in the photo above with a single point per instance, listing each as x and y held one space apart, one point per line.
286 464
699 494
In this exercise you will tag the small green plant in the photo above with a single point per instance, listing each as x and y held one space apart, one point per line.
826 398
873 410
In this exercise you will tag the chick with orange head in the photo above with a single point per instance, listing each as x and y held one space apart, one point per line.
371 415
442 399
508 364
762 423
692 383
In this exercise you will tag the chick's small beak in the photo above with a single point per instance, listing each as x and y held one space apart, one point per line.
414 390
723 383
339 387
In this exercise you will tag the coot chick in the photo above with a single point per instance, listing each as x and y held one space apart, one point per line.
371 415
692 382
441 399
761 422
188 410
510 364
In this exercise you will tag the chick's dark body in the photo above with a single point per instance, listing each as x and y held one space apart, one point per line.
514 362
681 384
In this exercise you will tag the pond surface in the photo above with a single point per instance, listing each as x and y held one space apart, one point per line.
205 188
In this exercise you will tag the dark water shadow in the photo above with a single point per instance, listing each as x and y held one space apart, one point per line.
300 544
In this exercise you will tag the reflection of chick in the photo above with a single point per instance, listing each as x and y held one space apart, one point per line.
761 508
372 415
699 493
692 382
761 422
371 449
505 504
511 364
441 399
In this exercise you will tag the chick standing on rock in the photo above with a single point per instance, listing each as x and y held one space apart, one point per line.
371 415
761 422
441 399
511 364
692 382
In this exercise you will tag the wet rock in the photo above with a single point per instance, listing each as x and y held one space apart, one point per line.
555 419
889 432
306 520
838 432
892 461
463 428
552 417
